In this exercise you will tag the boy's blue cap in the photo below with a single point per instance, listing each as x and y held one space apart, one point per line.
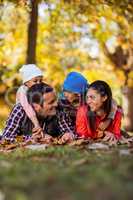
75 83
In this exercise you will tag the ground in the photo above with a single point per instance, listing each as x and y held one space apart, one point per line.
66 173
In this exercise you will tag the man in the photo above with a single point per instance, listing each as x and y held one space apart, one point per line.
43 100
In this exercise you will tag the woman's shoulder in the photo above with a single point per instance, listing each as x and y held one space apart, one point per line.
119 112
83 108
119 109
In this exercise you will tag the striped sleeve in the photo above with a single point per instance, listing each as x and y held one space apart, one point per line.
12 127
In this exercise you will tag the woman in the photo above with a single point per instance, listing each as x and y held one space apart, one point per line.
97 108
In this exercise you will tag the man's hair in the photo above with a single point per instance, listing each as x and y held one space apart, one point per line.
36 92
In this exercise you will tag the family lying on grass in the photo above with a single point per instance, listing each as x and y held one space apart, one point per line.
85 111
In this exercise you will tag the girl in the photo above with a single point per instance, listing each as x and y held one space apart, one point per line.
96 111
30 75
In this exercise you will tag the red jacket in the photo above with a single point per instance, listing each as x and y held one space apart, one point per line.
83 127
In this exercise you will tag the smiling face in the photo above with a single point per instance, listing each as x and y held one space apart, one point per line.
48 107
71 97
34 81
50 104
95 100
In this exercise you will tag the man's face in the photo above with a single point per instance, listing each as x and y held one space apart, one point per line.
49 105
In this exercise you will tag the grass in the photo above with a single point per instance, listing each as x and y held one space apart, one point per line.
66 173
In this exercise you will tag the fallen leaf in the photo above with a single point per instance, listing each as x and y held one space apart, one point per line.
98 146
11 146
78 142
37 146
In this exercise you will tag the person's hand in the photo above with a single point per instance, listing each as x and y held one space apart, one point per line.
37 132
110 138
100 134
103 125
47 139
66 138
124 140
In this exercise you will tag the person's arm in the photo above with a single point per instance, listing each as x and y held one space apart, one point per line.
12 127
22 98
82 126
65 126
116 124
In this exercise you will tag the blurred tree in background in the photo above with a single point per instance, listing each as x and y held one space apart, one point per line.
94 37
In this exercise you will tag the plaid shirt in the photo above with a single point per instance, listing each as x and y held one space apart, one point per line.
19 124
66 117
14 123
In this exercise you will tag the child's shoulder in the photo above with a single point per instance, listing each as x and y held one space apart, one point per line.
22 88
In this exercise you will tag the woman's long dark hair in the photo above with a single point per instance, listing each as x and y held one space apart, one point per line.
104 90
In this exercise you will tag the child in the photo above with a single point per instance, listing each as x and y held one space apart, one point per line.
31 75
74 88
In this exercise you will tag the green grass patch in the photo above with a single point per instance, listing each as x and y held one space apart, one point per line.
66 173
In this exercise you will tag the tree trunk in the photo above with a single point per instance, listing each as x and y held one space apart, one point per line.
123 60
32 33
127 101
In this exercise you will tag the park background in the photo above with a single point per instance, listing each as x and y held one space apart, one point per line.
94 37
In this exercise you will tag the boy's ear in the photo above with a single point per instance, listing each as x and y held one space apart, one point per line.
36 107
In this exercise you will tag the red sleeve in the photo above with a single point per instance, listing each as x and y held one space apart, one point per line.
116 124
82 122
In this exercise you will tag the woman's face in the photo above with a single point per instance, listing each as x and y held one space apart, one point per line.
94 100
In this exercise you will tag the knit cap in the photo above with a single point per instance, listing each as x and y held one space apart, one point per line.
75 83
29 71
